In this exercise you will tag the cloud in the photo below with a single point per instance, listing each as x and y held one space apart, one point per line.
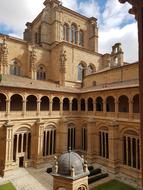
127 36
71 4
89 8
17 13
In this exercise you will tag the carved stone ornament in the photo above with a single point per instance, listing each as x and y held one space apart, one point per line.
3 52
33 59
62 60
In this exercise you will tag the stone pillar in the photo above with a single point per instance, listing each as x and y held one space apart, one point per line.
40 133
24 107
116 107
114 150
38 107
7 107
61 107
50 105
70 106
9 145
91 138
130 109
104 106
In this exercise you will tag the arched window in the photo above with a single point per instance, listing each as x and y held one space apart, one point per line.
110 104
2 102
41 73
74 105
136 104
15 67
22 144
131 150
81 72
71 136
66 104
123 104
104 143
16 103
49 141
99 104
66 32
84 137
73 33
44 106
56 104
90 104
31 103
81 38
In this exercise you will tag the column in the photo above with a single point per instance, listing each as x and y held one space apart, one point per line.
53 142
94 107
26 148
45 143
50 105
22 141
137 153
24 107
38 107
104 107
131 152
130 109
127 150
61 107
86 106
7 107
116 107
49 145
70 105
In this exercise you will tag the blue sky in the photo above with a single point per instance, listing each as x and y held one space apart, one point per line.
114 22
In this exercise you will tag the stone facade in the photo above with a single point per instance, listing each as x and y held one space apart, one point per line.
57 91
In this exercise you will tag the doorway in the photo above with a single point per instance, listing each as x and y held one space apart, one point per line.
21 161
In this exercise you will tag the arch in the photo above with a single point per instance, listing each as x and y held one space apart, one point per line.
104 142
66 32
73 36
90 104
74 104
131 149
81 38
44 104
15 67
81 71
136 103
66 104
82 104
2 102
123 104
49 140
16 103
71 136
99 104
31 103
56 104
41 72
110 104
22 142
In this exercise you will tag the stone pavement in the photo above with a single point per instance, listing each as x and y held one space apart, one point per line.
29 179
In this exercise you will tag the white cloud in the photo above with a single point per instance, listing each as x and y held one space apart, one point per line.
71 4
90 8
16 13
127 36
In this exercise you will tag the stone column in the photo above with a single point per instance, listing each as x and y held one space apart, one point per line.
130 109
9 145
91 138
7 107
61 107
50 105
116 107
104 106
40 134
24 107
38 107
114 150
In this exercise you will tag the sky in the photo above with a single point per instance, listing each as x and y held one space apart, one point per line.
114 22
